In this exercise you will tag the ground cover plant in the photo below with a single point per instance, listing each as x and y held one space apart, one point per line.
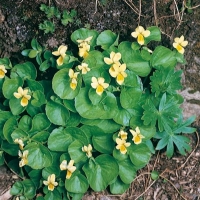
109 105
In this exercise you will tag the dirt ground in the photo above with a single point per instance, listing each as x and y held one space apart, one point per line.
19 21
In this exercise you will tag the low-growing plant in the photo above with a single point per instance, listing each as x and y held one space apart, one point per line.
66 17
106 110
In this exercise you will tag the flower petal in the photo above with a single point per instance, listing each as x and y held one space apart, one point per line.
60 61
24 101
146 33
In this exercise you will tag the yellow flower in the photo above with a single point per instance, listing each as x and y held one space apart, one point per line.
61 53
88 150
73 76
140 33
24 95
20 142
118 72
179 43
86 41
121 145
114 58
137 136
84 47
84 68
51 182
69 167
123 135
24 158
99 84
3 71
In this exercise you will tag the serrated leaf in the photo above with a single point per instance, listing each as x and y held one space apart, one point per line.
165 80
166 112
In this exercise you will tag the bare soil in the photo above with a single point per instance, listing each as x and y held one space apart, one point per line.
19 21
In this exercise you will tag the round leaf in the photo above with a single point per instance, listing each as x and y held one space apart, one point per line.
101 171
77 183
139 155
57 113
25 70
118 187
10 86
39 156
59 140
61 85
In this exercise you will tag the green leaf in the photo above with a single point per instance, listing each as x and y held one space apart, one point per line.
103 143
155 34
35 45
94 97
53 195
10 86
106 125
139 155
61 85
122 116
129 97
70 104
25 70
1 158
126 171
132 80
74 119
25 123
154 175
11 149
41 136
40 122
45 65
59 140
15 106
29 189
101 171
118 187
76 153
82 34
39 156
77 183
25 52
163 56
38 98
57 113
166 112
35 176
165 80
33 53
118 155
84 106
106 39
34 85
134 60
17 188
4 116
19 134
9 127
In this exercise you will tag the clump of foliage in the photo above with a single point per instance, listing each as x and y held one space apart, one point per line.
51 12
106 110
